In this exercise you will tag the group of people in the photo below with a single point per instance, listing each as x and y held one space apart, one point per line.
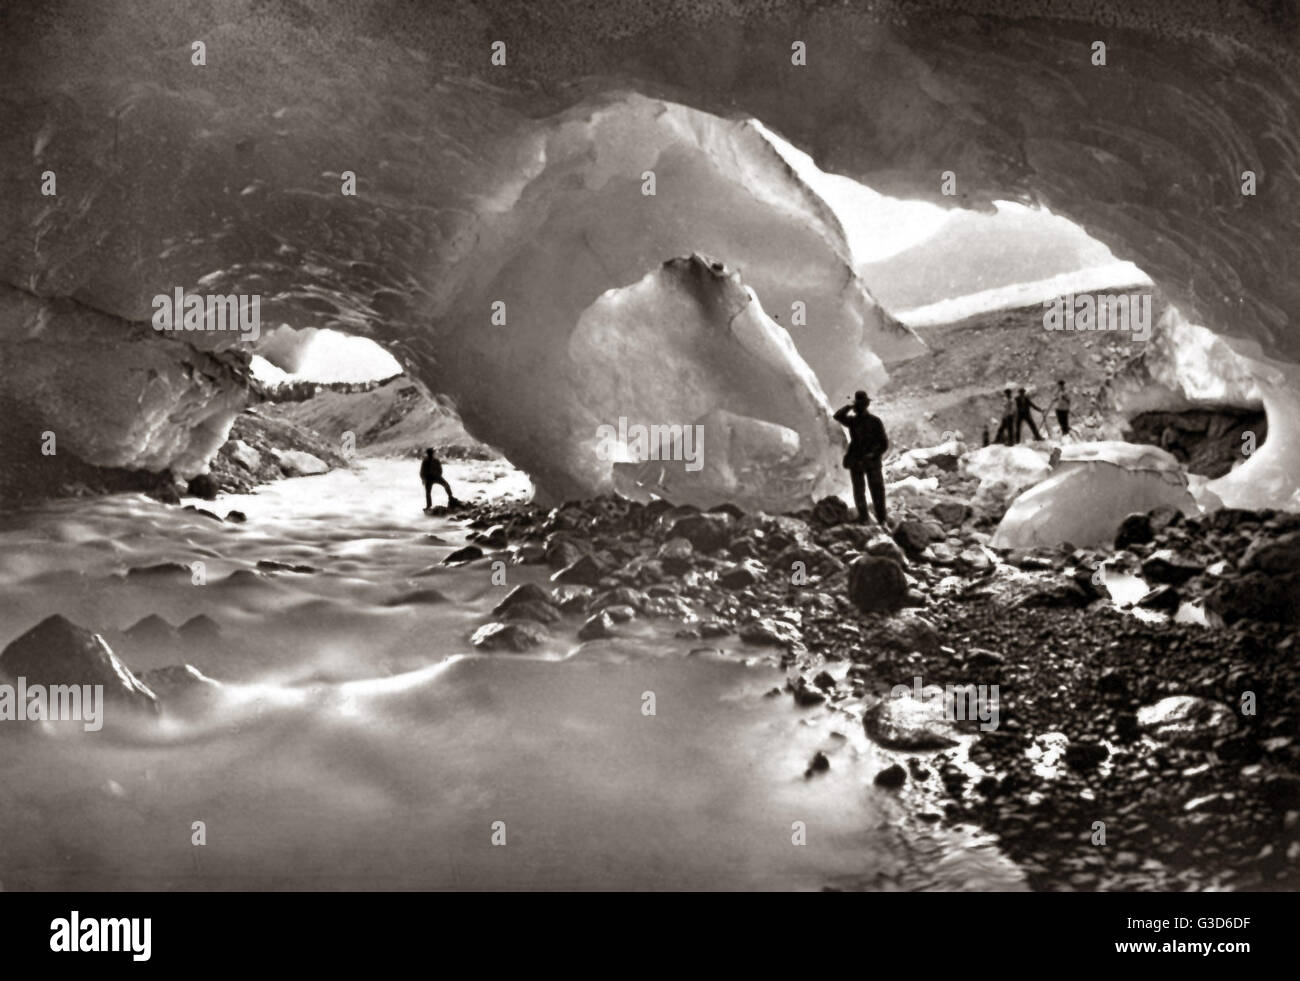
1018 411
867 446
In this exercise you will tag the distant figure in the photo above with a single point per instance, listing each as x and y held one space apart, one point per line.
1006 426
867 444
431 473
1023 409
1061 403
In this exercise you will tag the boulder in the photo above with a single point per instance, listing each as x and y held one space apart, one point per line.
1187 720
877 584
1276 556
58 652
905 722
517 636
706 532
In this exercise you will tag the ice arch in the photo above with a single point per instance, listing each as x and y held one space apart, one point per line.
230 176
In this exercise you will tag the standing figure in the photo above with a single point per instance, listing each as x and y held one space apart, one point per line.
430 474
867 445
1006 426
1023 409
1061 403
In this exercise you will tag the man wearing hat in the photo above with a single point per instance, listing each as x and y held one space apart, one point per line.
867 444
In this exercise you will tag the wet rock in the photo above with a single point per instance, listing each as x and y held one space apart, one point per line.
58 652
620 596
909 723
516 635
877 584
561 551
769 631
806 694
1187 720
621 612
236 517
177 682
891 777
1135 529
1167 566
746 573
270 565
199 628
571 598
523 593
532 610
587 570
419 597
152 629
706 532
462 555
598 626
201 512
677 556
202 486
530 554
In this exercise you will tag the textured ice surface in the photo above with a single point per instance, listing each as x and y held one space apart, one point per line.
1090 492
689 345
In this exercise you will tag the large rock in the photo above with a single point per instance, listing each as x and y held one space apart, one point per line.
909 723
1187 720
1277 556
705 532
58 652
877 584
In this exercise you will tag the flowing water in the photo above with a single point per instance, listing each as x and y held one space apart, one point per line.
359 744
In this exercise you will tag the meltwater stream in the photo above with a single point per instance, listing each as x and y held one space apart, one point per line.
364 745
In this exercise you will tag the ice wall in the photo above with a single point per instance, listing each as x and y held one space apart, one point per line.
689 346
522 182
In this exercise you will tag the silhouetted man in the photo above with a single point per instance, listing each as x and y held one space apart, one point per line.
1006 426
867 444
431 473
1023 407
1061 403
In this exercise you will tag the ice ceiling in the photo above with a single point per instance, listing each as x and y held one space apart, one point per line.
519 189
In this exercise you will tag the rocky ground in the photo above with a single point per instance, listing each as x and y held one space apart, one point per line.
1127 754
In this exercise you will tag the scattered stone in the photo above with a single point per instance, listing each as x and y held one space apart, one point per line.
891 777
908 723
1135 529
598 626
1085 755
516 635
1166 566
820 763
1186 720
747 573
58 652
586 571
706 532
462 555
769 631
877 584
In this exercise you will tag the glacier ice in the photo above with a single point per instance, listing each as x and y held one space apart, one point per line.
1089 493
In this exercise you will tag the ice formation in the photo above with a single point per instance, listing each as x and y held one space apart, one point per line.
521 189
1090 492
